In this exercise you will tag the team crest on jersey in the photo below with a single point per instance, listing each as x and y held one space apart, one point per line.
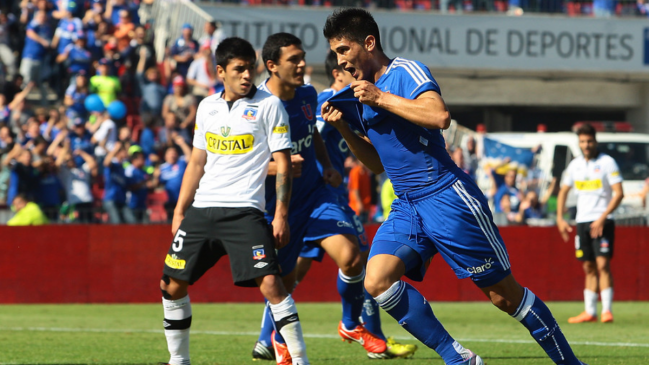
250 113
225 131
258 253
308 113
597 168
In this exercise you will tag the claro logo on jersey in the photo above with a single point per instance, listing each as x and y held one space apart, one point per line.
229 145
297 146
588 185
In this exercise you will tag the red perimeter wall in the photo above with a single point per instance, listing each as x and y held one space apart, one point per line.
119 264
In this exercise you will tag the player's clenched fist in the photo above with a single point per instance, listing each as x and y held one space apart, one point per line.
366 92
332 115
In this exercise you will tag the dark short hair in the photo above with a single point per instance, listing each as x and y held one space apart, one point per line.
586 129
136 155
40 139
273 47
331 64
354 24
234 47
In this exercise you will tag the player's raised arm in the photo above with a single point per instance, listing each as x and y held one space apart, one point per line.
360 147
191 178
427 110
284 182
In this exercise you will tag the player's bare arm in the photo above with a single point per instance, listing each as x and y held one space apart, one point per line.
329 174
562 225
428 110
191 178
361 147
597 227
283 186
296 166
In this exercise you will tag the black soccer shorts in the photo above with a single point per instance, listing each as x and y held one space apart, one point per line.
587 248
207 234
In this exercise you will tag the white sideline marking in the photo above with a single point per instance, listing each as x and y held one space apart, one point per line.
307 335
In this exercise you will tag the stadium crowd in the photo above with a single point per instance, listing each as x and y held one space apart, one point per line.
94 129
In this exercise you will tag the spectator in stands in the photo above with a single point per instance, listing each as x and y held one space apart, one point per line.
76 59
458 157
80 140
139 183
68 29
202 74
55 125
27 213
213 35
124 30
7 57
23 176
11 89
171 174
36 43
104 134
76 179
97 35
171 130
12 113
113 9
104 83
360 190
530 207
603 8
136 53
470 156
152 91
75 95
115 186
48 190
7 142
508 197
184 49
181 104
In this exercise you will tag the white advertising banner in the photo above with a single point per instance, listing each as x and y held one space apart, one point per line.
465 41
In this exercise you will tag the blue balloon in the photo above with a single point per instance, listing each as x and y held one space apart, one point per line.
117 109
93 103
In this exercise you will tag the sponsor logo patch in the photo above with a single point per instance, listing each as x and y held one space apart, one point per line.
480 269
261 265
174 262
579 254
588 185
281 129
229 145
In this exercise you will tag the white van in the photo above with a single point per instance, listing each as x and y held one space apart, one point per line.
630 151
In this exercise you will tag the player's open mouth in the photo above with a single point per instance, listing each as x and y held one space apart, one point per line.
246 86
352 71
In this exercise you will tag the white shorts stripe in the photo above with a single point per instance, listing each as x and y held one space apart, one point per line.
489 225
481 221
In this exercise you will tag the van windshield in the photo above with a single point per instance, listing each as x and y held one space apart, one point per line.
631 157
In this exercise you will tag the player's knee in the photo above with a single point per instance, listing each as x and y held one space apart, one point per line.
503 303
376 286
590 268
171 289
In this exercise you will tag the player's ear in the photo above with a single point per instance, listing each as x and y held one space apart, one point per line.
370 43
220 71
271 66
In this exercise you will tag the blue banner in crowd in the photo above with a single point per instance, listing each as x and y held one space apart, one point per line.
498 150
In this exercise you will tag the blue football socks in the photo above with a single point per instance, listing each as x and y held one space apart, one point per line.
405 304
351 295
267 327
371 316
538 319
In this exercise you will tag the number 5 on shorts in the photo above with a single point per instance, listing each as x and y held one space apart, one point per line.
178 240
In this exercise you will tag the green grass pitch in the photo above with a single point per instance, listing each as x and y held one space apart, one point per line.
225 334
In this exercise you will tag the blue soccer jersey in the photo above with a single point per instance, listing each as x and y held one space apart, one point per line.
336 146
414 157
301 112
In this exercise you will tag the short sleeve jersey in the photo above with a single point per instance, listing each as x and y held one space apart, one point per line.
414 157
302 121
239 143
592 181
336 146
66 31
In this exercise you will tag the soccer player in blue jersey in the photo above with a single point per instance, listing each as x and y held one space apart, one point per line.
338 151
315 215
440 208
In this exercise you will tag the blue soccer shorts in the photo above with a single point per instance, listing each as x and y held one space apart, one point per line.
313 251
455 221
318 218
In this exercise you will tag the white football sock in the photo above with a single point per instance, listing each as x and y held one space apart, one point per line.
177 320
288 322
590 300
607 299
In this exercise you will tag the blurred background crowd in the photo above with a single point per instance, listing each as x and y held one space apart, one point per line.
96 127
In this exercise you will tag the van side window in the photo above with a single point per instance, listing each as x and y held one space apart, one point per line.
561 159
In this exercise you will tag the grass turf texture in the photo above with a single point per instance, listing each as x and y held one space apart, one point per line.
225 334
